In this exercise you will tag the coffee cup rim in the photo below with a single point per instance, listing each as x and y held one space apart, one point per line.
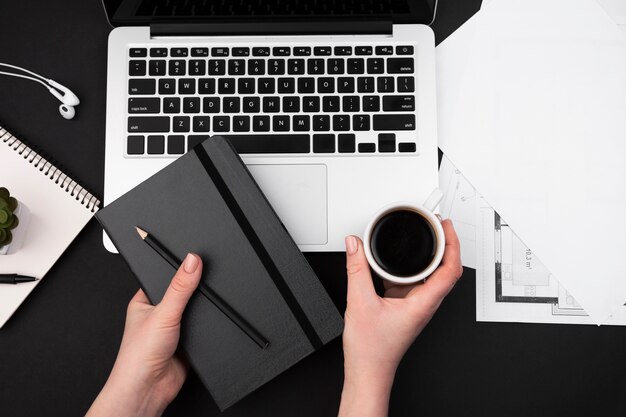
434 222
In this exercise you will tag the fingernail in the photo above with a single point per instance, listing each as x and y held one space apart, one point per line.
351 245
190 263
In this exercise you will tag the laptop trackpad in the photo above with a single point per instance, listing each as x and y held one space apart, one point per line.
298 195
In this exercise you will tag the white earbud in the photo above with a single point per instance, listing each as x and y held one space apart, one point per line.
62 93
66 111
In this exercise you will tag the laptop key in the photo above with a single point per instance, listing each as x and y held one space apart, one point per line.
276 66
351 103
167 86
267 85
363 50
158 52
251 104
406 84
343 50
261 124
266 144
236 67
281 51
330 104
219 51
345 85
315 66
206 86
325 85
301 123
271 104
341 122
137 52
384 50
385 84
171 105
346 142
261 51
399 103
156 145
245 86
386 142
136 67
221 124
226 86
280 123
180 124
404 50
291 104
295 66
201 123
400 65
152 124
335 66
211 105
217 67
361 122
323 143
311 104
322 50
306 85
356 66
144 105
321 122
241 51
256 66
176 144
391 122
231 105
407 147
156 67
302 51
177 67
286 85
179 52
375 65
197 67
199 51
371 103
367 147
186 86
191 105
241 124
135 145
365 84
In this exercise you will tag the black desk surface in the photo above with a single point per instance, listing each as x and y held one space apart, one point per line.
57 350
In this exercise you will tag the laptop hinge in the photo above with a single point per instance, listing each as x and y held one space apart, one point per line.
272 28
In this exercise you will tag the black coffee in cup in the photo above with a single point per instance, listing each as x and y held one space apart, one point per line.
403 243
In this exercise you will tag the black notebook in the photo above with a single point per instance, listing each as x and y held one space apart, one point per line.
208 203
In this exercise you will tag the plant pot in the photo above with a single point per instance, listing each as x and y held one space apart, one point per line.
19 233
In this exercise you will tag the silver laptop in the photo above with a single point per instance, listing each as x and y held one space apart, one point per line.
331 104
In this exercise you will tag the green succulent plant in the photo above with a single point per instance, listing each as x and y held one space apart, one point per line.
8 219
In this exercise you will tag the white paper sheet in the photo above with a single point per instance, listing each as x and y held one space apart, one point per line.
537 125
616 9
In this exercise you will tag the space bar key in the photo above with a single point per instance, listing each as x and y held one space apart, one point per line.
270 143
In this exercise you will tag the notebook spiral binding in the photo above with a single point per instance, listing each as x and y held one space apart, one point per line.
48 167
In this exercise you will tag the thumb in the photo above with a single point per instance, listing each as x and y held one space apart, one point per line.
360 283
180 290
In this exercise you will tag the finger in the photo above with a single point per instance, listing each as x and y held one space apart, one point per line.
447 274
359 278
180 290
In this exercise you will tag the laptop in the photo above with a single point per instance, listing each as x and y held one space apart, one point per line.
330 103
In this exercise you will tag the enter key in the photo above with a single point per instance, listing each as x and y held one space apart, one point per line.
399 103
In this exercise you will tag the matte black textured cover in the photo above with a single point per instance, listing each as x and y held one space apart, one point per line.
187 212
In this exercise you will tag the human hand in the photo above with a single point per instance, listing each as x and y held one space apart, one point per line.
379 330
147 374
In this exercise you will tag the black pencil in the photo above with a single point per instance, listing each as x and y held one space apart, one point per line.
217 301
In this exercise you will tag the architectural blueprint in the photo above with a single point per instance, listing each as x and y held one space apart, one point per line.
512 285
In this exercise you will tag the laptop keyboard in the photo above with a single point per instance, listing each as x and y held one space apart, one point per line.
272 100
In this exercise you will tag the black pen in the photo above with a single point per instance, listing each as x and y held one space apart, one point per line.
15 278
217 301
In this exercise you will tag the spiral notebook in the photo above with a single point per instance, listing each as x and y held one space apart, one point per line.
59 209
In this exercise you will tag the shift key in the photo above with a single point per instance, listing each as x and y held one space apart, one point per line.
393 122
148 124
